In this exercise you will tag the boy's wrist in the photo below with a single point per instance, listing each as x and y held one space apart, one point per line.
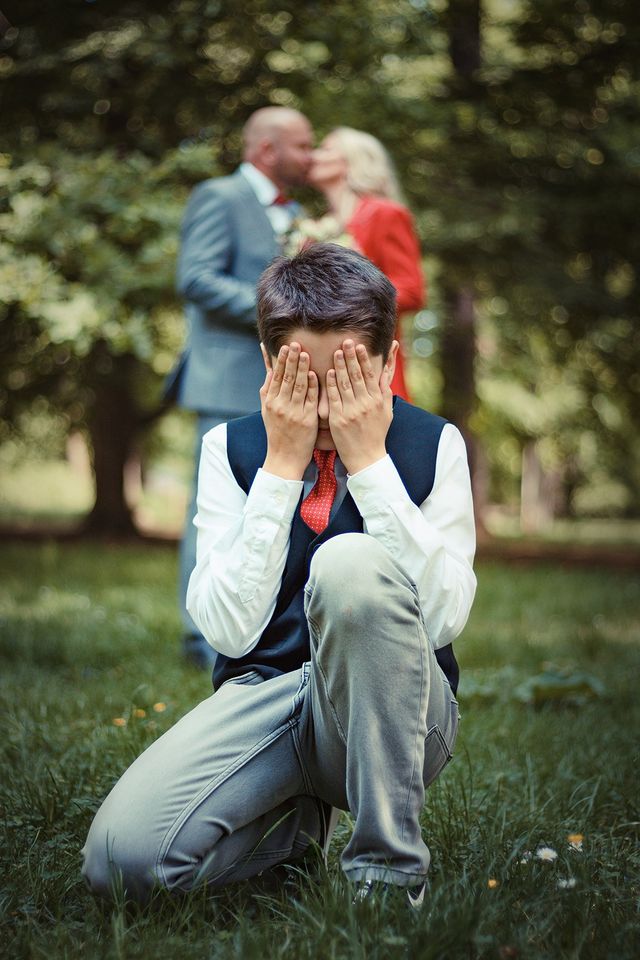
283 467
361 461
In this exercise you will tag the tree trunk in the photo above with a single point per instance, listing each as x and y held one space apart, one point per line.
463 28
113 425
458 330
457 357
457 364
540 492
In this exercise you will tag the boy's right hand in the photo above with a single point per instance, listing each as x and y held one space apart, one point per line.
289 402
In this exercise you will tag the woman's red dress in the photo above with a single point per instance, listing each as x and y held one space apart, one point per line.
383 230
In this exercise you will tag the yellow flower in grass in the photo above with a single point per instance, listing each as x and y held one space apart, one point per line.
492 883
139 713
159 707
575 840
119 722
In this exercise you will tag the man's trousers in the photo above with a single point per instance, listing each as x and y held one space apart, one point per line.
244 780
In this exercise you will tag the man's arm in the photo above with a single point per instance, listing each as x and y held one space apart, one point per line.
205 256
433 543
243 541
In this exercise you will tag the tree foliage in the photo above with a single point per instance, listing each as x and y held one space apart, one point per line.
518 156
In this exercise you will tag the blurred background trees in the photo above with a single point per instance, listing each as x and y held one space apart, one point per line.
513 125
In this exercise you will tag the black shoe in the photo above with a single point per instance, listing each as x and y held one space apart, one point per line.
376 892
197 651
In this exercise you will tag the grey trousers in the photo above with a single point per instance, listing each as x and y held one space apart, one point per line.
242 781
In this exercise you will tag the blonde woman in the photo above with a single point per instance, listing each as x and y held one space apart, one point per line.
354 172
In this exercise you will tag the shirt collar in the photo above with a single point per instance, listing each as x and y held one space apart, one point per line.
264 189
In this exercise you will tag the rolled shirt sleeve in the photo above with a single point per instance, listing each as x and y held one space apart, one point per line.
434 543
243 541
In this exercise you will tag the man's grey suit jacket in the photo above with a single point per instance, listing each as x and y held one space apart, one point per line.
227 241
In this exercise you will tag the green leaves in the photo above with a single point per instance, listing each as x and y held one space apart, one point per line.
560 686
554 685
523 176
94 243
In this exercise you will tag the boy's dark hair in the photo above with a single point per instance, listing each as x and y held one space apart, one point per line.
326 287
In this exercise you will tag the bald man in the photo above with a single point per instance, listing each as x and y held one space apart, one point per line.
231 231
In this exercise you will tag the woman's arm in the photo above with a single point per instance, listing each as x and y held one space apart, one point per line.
386 235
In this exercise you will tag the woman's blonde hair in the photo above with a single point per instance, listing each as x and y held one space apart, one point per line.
369 167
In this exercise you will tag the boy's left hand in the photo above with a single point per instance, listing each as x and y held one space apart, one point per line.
360 407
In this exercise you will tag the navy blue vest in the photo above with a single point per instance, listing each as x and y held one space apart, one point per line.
412 443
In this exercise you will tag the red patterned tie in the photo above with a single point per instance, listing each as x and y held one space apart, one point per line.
280 200
316 507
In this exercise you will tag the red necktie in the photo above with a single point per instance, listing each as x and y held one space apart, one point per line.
280 200
316 507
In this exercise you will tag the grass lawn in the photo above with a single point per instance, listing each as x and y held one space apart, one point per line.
89 675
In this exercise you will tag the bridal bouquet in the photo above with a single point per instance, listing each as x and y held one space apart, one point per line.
305 231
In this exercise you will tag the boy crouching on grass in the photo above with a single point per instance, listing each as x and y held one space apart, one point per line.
335 543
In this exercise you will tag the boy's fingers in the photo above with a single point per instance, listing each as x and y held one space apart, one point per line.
352 360
278 372
301 382
333 394
343 379
368 373
290 371
312 389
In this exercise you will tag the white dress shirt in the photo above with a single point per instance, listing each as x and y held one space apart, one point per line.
280 215
243 541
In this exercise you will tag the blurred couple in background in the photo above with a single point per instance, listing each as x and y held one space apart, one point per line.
233 228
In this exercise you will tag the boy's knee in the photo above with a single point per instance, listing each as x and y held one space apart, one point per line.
354 565
352 577
115 864
348 561
98 867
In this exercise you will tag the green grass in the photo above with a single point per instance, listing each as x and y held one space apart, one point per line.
51 495
88 634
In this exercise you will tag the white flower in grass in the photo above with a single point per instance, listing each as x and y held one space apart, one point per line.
547 854
526 856
567 883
